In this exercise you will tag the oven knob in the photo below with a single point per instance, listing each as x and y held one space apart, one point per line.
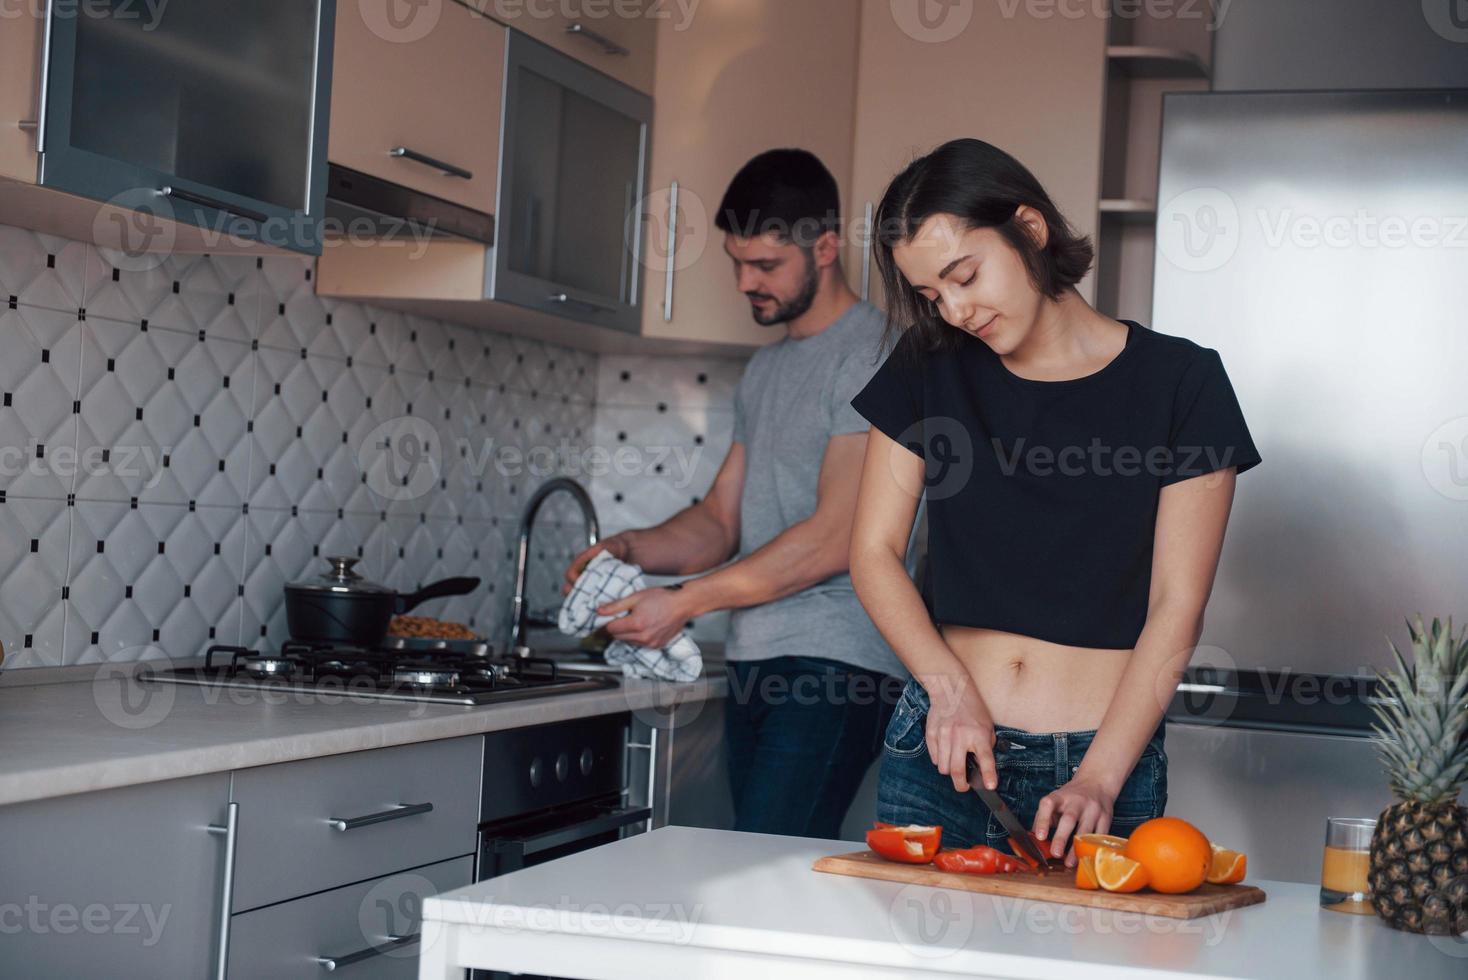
586 760
537 772
563 767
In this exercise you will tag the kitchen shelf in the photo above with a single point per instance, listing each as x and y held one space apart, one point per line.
1148 61
1128 209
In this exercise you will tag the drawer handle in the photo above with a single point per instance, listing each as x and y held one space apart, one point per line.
608 46
396 813
229 830
329 963
566 299
179 194
447 169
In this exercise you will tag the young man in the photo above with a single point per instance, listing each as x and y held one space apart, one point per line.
812 683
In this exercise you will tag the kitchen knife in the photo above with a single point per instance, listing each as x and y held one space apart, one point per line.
1019 837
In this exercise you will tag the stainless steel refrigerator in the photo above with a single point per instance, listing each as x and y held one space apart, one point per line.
1319 242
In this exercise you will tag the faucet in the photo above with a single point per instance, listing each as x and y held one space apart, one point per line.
520 611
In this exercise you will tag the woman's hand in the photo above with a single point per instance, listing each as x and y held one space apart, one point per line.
959 723
1081 806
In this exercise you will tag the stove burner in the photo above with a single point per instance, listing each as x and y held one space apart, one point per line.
268 666
425 676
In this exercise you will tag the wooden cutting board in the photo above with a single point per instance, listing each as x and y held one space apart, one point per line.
1054 887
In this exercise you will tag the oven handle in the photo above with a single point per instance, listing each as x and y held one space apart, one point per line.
528 844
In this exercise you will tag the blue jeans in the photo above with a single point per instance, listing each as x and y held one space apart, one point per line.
912 791
801 734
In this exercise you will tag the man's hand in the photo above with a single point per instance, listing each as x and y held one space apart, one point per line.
654 616
618 545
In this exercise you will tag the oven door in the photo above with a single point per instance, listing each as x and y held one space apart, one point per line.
510 845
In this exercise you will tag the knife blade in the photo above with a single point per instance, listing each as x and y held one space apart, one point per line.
1019 837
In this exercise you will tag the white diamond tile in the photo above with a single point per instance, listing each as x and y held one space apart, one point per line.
355 331
430 347
42 270
292 316
152 578
685 381
38 378
34 537
218 295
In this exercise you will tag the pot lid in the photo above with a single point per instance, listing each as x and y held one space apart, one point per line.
341 577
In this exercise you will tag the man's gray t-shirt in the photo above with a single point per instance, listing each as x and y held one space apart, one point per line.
795 395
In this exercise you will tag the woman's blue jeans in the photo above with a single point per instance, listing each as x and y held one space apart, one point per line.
912 791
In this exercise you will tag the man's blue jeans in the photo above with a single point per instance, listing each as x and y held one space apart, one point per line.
801 734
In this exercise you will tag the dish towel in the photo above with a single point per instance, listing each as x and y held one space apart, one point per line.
607 579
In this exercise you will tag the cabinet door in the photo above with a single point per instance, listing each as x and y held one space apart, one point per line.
20 94
121 883
743 77
432 88
618 39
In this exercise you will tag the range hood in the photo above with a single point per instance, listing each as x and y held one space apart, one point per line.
355 200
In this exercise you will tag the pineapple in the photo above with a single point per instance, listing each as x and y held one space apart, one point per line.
1419 851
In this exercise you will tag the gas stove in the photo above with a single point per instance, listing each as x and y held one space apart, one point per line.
434 676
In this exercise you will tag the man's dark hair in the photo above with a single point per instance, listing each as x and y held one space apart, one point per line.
786 192
983 187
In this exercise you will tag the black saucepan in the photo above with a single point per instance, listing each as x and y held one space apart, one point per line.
342 607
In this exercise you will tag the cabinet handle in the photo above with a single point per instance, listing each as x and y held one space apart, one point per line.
396 813
230 832
672 252
608 46
651 748
211 202
569 300
329 963
28 125
866 257
447 169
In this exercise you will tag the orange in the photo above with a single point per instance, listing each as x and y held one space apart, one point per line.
1086 873
1116 872
1175 853
1227 866
1086 844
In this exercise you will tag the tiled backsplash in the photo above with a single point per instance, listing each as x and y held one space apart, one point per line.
180 438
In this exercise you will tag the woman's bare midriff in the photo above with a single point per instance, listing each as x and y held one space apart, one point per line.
1038 686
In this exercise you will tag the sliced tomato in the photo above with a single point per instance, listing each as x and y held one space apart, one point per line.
911 844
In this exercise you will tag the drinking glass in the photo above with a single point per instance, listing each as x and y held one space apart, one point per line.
1343 884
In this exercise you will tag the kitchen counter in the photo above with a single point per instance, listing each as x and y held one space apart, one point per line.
682 902
111 730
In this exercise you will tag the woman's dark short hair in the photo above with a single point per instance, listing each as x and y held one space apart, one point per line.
983 186
788 192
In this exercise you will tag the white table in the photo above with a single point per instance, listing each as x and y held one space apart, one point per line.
685 903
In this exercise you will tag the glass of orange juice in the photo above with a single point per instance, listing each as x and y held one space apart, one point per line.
1343 885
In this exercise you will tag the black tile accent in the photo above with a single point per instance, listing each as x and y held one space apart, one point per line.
155 636
66 592
45 356
76 407
626 375
139 413
211 633
101 547
133 504
216 547
116 276
162 547
703 379
196 421
188 591
127 592
698 440
27 641
95 638
171 374
35 546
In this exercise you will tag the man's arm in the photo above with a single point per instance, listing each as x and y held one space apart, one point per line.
693 540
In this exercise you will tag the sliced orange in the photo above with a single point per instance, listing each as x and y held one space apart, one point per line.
1116 872
1086 873
1227 867
1175 853
1086 844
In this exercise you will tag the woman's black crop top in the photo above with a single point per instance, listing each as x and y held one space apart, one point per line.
1042 495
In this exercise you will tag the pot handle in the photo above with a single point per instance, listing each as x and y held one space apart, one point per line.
436 590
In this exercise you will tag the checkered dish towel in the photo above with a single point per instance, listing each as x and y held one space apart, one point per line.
607 579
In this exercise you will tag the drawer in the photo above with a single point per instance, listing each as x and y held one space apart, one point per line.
287 940
623 47
289 844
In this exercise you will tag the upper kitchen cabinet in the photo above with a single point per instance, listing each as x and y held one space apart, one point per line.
1031 85
207 114
740 77
418 104
616 37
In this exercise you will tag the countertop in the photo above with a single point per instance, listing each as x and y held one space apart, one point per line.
680 902
112 730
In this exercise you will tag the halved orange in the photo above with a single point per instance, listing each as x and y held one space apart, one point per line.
1226 867
1086 873
1086 844
1116 872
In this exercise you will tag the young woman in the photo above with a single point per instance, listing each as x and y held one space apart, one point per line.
1078 472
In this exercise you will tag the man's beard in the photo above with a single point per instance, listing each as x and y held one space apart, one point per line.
798 306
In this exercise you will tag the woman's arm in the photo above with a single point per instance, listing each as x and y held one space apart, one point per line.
1191 518
886 506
